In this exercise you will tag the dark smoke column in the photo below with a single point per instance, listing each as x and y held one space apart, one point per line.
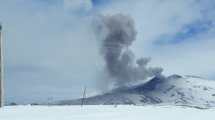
118 35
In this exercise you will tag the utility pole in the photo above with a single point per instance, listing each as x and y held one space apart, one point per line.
84 96
1 70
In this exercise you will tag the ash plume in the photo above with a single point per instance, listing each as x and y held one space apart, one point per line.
118 33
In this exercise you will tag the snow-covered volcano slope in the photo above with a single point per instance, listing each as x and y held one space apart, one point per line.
175 89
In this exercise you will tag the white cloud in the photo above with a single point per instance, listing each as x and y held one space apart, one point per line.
46 48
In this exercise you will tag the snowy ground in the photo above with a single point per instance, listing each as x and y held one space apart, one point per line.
105 113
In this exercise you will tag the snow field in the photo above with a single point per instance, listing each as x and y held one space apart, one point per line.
101 112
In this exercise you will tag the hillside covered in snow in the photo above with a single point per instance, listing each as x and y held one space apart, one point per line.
173 90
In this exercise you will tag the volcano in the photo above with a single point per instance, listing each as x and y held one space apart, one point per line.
172 90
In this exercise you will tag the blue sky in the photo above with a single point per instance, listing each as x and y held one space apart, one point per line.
188 31
50 48
100 2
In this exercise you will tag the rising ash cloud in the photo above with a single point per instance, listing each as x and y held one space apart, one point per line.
116 34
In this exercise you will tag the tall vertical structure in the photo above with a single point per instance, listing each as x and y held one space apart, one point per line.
1 70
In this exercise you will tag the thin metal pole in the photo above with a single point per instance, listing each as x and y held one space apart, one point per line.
84 95
1 70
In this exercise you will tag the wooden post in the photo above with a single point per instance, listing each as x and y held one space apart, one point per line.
1 70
